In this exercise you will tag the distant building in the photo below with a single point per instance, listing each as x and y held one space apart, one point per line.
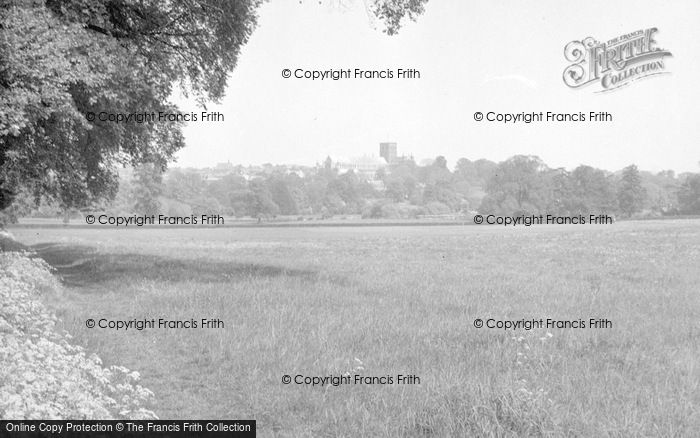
224 167
365 167
388 152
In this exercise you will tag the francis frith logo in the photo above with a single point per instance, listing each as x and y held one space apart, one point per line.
616 62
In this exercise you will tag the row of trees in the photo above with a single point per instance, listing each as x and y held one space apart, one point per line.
405 190
61 61
519 185
524 184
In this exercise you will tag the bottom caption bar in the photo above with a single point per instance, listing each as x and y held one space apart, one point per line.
127 428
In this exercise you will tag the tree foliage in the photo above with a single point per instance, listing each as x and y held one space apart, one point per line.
689 195
516 185
62 60
519 185
393 12
630 193
148 186
591 190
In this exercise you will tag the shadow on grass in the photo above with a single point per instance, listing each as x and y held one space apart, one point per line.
79 265
7 244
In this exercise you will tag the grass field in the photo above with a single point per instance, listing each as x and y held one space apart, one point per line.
380 301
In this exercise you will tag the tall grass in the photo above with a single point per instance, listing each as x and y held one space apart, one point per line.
320 302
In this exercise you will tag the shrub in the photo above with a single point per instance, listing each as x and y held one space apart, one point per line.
437 208
44 376
392 210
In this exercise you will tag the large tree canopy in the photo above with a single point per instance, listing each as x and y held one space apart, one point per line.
61 60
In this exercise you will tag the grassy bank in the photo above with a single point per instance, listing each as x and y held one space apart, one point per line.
43 375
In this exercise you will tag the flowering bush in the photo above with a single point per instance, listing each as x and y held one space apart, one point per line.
44 376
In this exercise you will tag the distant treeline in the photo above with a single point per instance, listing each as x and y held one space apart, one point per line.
519 185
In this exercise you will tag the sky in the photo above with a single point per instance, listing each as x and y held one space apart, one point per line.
505 56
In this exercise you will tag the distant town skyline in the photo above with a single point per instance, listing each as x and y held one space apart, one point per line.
466 65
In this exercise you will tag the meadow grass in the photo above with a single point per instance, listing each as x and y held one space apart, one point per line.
399 300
